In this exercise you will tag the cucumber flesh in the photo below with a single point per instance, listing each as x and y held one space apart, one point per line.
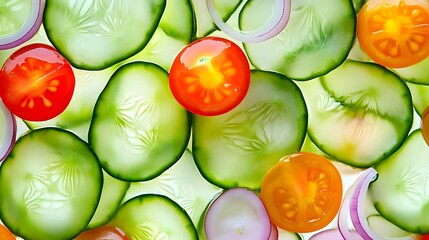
238 148
420 96
183 184
52 194
141 118
152 216
90 34
401 191
417 73
112 193
205 24
317 39
360 113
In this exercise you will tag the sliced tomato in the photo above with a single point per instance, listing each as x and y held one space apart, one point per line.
424 126
102 233
302 192
36 83
5 234
394 33
210 76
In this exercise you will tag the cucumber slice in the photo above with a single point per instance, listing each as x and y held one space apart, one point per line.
112 193
360 113
316 40
94 35
152 216
401 192
420 96
417 73
238 148
205 24
172 31
77 116
147 129
183 184
51 194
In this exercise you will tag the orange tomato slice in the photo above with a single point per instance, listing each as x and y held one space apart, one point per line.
302 192
394 33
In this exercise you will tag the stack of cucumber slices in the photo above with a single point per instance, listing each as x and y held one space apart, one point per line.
126 154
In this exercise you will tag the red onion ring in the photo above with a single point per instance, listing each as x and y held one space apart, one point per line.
8 127
357 202
26 31
331 234
343 217
273 27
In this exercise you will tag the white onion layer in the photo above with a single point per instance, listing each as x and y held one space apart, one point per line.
28 29
7 131
273 27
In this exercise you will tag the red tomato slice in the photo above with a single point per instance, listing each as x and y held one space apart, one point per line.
102 233
5 234
36 83
302 192
394 33
210 76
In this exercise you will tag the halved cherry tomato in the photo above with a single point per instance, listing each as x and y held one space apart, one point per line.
5 234
394 33
210 76
102 233
36 83
424 237
302 192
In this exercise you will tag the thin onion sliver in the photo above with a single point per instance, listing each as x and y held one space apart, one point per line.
8 125
273 27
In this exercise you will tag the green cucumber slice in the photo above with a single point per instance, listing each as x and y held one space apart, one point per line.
174 32
183 184
96 34
420 96
50 185
112 193
238 148
417 73
147 129
152 216
316 40
401 191
205 24
360 113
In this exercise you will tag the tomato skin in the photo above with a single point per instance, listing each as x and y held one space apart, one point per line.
210 76
36 82
5 234
302 192
102 233
394 33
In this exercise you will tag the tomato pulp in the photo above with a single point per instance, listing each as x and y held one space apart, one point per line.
36 83
210 76
394 33
302 192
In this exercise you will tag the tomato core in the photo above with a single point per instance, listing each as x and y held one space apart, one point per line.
210 76
302 192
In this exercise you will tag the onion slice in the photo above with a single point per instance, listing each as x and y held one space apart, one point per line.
332 234
237 213
343 217
7 131
357 202
273 27
27 30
